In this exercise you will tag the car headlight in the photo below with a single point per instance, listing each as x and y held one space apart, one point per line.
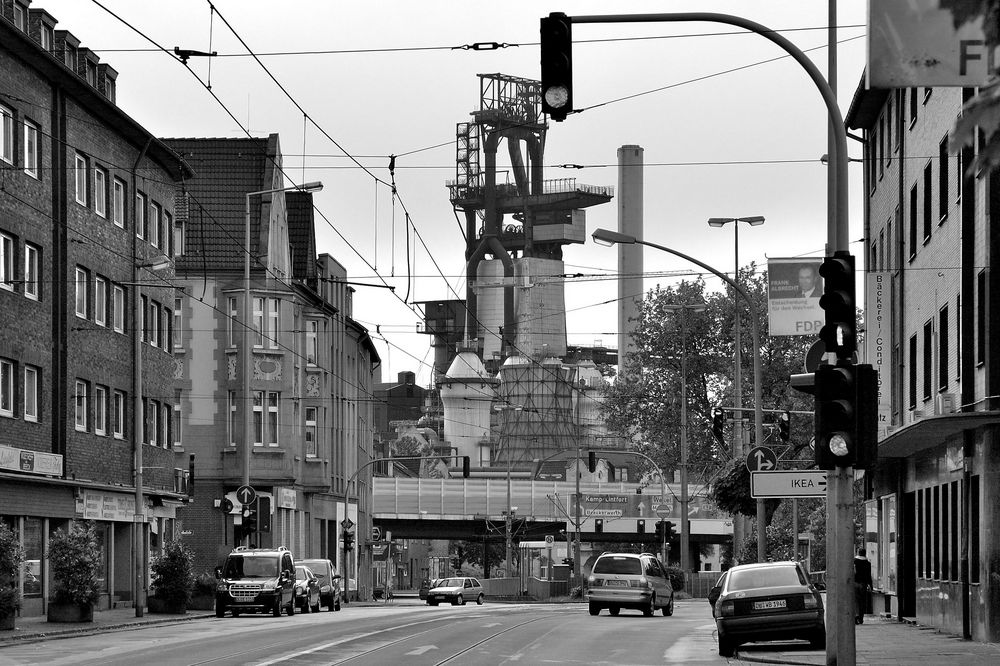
590 579
221 587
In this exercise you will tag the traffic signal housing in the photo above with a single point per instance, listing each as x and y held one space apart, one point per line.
556 32
836 422
263 513
465 467
348 540
718 423
249 513
839 332
591 461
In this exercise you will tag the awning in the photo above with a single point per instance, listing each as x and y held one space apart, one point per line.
933 431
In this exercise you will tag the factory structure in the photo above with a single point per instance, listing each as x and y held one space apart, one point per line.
508 390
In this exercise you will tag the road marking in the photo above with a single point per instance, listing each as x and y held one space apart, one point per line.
422 649
491 624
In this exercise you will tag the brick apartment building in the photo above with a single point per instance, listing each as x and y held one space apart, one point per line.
931 236
312 365
86 207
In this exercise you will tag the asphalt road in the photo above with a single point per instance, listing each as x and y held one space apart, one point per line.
406 632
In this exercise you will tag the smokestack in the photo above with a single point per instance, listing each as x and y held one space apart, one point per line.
630 289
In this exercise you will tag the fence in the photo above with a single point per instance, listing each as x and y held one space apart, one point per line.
699 583
501 587
546 589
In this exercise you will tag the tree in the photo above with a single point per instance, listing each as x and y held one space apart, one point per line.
983 110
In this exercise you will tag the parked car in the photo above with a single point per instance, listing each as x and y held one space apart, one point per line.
766 602
256 580
306 589
456 591
330 593
629 580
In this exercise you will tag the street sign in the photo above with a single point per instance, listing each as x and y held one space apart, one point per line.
376 533
549 539
761 459
788 483
246 495
664 510
347 523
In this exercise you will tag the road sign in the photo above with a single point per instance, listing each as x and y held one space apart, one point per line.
376 533
788 483
549 539
664 510
347 523
761 459
246 495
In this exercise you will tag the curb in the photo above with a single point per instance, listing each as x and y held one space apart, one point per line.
54 634
772 660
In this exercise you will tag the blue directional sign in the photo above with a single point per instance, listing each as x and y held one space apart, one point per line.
762 459
246 495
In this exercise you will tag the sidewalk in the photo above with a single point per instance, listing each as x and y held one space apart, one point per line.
39 628
881 642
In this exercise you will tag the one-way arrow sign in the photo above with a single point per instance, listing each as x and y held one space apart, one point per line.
761 459
788 483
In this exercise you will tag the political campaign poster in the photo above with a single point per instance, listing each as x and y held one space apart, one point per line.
932 42
794 287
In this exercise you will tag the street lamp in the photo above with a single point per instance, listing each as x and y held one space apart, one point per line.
607 237
247 323
738 452
685 527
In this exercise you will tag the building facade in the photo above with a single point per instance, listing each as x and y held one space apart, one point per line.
304 409
931 292
86 309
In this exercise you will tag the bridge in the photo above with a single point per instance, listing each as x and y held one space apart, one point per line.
472 508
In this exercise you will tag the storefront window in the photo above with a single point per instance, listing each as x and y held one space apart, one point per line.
32 557
887 551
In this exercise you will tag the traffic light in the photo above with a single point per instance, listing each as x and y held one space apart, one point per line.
640 526
249 518
348 540
839 333
836 422
718 422
866 408
785 425
591 461
599 525
668 527
456 563
465 467
556 32
263 513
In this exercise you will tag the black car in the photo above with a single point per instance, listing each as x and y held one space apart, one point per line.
306 589
330 592
256 580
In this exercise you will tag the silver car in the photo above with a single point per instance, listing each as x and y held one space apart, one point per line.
628 580
456 591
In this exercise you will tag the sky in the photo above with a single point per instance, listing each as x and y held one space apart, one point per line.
730 127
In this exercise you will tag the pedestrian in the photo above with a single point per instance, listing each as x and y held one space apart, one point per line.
862 585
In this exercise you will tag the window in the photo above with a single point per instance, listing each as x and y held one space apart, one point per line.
153 414
913 107
913 222
154 323
100 301
928 216
155 214
168 328
943 349
981 318
913 373
882 152
273 320
935 534
81 405
231 322
82 291
258 322
31 392
927 357
927 94
6 134
312 330
140 215
311 432
31 148
100 410
6 262
272 418
232 418
166 412
974 562
81 179
32 286
177 418
958 337
100 191
871 160
48 38
6 387
943 180
179 238
19 22
118 415
143 304
177 337
265 426
118 203
118 309
953 532
168 238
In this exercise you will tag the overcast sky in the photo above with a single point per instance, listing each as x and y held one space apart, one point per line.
729 126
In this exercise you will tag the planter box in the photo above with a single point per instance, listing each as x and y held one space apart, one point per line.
157 605
70 612
202 602
6 622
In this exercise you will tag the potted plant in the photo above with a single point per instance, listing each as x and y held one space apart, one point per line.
203 592
11 561
172 578
75 562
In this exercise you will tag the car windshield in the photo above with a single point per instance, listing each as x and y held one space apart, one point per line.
451 582
319 571
749 579
618 565
250 566
301 573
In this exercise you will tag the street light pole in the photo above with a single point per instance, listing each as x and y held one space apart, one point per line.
247 350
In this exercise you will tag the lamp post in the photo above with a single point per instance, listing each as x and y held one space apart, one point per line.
685 526
607 237
248 323
738 452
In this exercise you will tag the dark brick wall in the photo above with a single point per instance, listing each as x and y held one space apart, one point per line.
210 537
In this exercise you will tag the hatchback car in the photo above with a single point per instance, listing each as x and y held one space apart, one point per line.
329 582
457 591
629 580
767 602
306 589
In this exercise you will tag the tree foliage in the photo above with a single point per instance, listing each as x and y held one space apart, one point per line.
173 573
983 110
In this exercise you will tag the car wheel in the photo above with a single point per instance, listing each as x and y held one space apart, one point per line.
818 639
220 610
614 610
726 647
460 601
595 609
669 608
480 599
648 612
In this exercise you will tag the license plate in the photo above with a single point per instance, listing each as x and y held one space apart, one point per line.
616 583
766 605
